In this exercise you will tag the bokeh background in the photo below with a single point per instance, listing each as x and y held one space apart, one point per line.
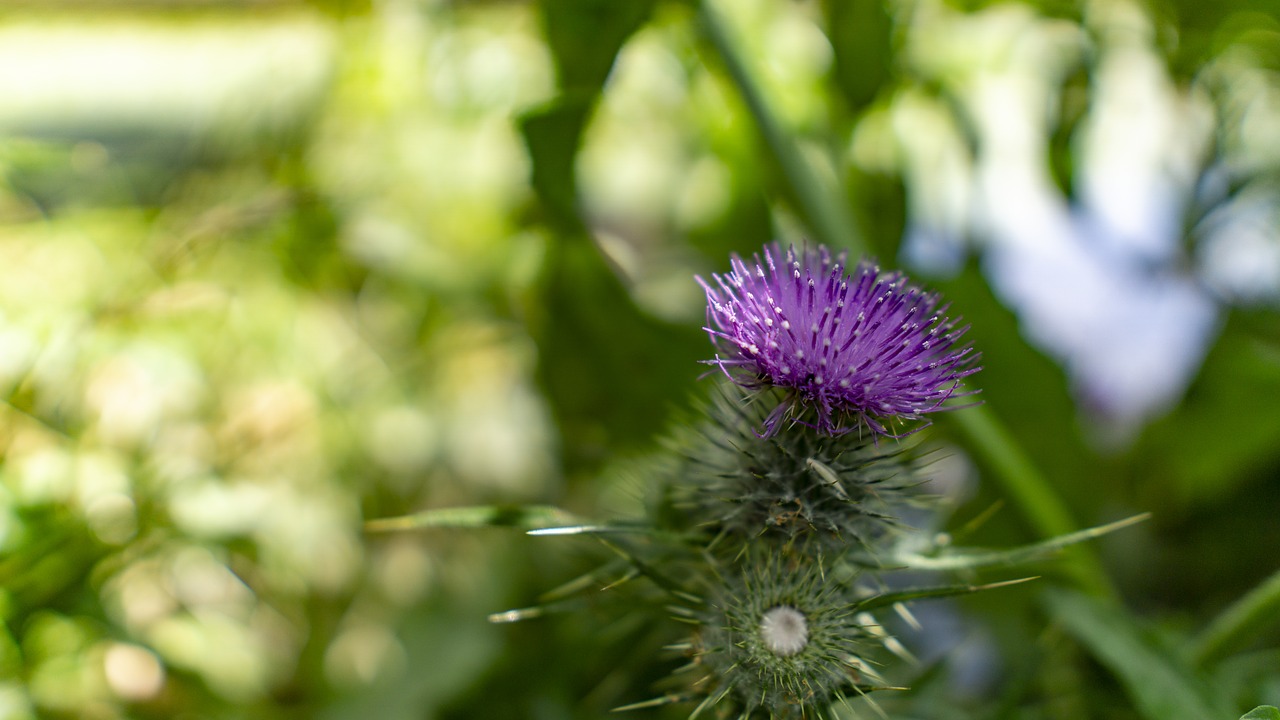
270 269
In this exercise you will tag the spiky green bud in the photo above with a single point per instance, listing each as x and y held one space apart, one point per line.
841 490
782 637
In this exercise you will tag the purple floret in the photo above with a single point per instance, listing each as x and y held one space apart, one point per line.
865 347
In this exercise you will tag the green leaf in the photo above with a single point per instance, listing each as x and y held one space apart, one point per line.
552 133
605 366
861 38
608 369
525 517
1161 689
1262 712
1240 623
1231 405
584 37
966 559
926 593
991 442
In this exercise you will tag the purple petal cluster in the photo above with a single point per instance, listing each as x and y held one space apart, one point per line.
864 346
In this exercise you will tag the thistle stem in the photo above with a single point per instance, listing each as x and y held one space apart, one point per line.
1239 623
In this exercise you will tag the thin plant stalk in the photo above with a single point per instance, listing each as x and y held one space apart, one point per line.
820 203
1239 623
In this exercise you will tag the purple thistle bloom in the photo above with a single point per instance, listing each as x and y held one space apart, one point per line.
867 346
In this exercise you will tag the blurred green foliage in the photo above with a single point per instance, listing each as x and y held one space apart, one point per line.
269 270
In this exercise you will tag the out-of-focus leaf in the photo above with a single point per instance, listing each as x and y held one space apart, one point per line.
1241 622
1161 689
1262 712
605 364
445 648
1205 28
822 205
608 368
584 37
859 31
1232 407
552 134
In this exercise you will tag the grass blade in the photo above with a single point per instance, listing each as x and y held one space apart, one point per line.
961 559
1239 623
992 445
820 204
1159 687
941 591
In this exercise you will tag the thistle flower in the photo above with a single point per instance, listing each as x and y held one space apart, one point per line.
866 346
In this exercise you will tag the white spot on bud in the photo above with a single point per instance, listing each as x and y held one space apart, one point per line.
800 354
784 630
786 325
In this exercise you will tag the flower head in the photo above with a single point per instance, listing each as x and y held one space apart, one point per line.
865 345
782 635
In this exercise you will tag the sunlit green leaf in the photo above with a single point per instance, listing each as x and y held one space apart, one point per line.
525 517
